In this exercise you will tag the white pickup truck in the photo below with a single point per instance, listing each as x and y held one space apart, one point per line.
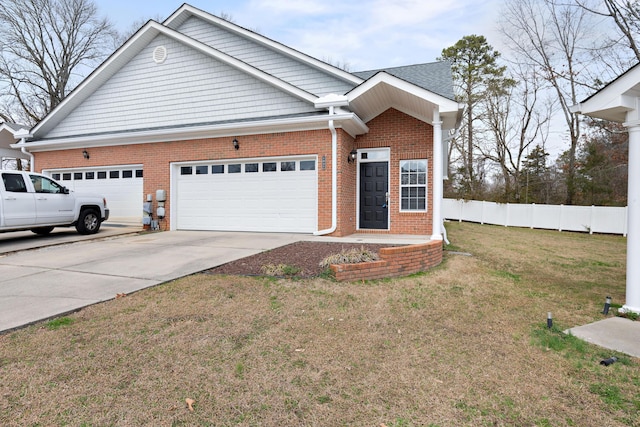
32 201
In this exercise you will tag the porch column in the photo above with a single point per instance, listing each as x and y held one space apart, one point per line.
436 213
633 220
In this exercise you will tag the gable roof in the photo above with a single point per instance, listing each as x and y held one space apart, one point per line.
383 91
434 76
615 100
132 47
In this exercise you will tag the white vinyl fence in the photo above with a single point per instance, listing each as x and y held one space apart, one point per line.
591 219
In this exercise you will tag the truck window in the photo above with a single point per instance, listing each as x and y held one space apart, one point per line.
14 182
45 185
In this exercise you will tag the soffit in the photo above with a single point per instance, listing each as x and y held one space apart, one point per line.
382 92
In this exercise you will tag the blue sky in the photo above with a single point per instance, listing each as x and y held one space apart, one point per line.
363 34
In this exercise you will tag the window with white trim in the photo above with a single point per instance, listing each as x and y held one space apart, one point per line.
413 185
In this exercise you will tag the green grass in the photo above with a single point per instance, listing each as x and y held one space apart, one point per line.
59 323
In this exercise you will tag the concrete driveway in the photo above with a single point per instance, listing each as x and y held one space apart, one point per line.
42 283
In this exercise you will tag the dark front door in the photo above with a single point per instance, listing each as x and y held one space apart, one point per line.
374 179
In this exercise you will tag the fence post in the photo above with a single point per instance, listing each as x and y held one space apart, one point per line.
482 213
506 221
593 214
560 218
461 205
533 211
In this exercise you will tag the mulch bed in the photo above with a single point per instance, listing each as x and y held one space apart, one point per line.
304 255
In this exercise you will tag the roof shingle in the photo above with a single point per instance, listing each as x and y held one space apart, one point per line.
434 76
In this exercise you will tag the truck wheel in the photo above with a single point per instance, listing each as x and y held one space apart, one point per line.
42 230
88 222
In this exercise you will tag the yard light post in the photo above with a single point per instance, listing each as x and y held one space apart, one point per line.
607 304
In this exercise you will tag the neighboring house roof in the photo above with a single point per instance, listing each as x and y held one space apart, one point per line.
9 134
196 75
615 100
434 76
13 126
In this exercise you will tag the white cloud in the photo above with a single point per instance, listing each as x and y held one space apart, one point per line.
366 34
369 34
298 7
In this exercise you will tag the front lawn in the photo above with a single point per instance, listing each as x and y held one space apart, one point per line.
465 344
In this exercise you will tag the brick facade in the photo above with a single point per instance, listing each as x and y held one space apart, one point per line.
407 138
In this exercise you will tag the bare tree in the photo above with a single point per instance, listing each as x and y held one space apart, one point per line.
548 36
517 119
626 17
46 46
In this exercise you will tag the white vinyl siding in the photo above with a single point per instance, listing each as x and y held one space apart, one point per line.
248 196
188 88
275 63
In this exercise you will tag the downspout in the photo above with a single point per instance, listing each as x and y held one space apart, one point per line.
24 151
455 134
334 178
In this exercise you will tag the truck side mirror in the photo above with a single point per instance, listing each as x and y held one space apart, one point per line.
65 190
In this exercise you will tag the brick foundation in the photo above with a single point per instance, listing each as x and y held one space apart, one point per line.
394 262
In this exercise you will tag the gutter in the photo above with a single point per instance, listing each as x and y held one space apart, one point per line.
201 131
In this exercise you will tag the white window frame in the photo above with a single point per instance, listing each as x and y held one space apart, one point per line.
415 185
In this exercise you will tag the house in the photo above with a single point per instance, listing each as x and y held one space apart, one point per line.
9 135
245 134
619 101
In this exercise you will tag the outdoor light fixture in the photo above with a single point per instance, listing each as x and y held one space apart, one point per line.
236 145
352 156
85 154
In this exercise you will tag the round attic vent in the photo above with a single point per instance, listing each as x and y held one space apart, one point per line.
159 54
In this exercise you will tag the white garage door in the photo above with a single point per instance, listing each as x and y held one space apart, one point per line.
122 186
270 195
